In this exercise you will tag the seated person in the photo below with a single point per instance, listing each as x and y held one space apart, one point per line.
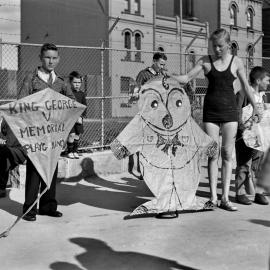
11 155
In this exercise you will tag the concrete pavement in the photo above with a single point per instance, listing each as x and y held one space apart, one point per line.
92 234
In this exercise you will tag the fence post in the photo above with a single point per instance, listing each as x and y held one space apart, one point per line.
102 92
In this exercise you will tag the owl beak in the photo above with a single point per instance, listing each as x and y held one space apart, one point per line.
167 121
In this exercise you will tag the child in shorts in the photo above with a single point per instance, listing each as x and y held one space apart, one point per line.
75 80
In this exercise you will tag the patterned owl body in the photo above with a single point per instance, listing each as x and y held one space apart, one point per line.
170 145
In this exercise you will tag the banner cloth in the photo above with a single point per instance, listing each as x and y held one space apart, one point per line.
41 122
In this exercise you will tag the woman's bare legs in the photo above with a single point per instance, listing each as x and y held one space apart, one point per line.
228 131
212 130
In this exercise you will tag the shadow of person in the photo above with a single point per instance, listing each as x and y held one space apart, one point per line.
99 256
261 222
123 194
10 206
87 170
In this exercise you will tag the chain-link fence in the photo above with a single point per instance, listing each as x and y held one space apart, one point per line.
108 75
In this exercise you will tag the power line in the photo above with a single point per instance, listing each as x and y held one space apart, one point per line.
10 34
4 19
9 5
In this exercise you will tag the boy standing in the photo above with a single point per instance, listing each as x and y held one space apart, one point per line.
247 158
42 78
75 80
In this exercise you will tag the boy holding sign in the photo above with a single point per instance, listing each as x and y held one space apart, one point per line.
43 77
75 80
248 159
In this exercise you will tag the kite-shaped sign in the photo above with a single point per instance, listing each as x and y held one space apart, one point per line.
170 145
41 122
256 135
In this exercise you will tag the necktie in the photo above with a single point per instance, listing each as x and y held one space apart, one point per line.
50 80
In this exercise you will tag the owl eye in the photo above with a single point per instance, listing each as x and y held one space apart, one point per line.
178 103
154 104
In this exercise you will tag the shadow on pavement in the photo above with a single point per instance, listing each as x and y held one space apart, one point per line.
10 206
124 195
261 222
99 256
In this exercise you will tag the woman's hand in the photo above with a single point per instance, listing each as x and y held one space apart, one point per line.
79 121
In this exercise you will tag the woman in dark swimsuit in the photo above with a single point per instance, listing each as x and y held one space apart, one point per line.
220 112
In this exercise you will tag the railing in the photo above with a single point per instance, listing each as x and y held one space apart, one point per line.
107 76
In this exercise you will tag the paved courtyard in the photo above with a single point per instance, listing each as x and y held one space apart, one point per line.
92 234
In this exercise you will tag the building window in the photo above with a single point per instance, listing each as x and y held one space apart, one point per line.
250 53
127 45
250 15
137 7
138 41
234 48
233 15
127 6
125 84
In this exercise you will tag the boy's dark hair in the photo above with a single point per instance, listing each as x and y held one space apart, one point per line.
48 47
257 73
74 74
159 55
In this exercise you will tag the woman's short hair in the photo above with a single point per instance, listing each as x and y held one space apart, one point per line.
220 33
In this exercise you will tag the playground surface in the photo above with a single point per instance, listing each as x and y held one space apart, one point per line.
92 234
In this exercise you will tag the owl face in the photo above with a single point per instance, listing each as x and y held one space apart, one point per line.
164 106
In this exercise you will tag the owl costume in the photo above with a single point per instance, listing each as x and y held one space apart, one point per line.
171 146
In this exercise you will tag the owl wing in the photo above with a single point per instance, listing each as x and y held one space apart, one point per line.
208 145
130 140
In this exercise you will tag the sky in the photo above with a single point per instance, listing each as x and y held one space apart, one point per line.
10 20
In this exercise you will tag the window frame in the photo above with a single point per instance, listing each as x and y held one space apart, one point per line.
236 47
125 80
250 55
127 43
128 10
233 16
138 55
250 11
138 12
233 19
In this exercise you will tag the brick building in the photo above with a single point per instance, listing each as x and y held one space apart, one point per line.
138 26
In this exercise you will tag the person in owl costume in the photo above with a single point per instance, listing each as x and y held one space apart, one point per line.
171 147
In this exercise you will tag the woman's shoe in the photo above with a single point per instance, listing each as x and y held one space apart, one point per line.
167 215
228 206
210 205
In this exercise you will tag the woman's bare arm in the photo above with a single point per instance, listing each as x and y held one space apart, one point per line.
192 74
245 86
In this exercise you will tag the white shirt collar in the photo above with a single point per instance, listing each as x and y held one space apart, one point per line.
45 76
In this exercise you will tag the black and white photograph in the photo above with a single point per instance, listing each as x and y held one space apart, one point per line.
134 134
